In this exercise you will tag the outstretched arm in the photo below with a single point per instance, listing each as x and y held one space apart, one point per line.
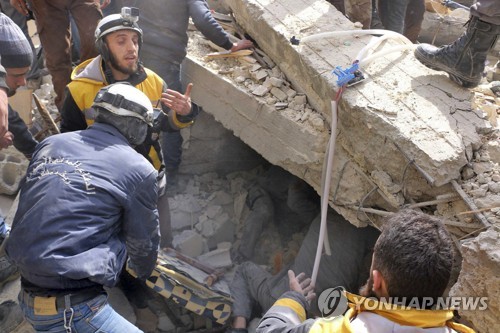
205 22
288 314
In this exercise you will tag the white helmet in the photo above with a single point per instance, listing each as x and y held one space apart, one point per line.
127 20
125 100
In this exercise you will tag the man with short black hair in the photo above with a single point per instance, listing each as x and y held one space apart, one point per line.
412 258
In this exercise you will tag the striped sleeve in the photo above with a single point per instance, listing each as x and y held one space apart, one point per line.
288 314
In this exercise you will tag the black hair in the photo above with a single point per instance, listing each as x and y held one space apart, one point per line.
414 254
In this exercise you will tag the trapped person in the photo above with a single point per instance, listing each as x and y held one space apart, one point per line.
412 260
348 266
83 214
465 58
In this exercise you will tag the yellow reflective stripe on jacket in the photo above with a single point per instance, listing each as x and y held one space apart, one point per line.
293 305
83 91
337 325
402 316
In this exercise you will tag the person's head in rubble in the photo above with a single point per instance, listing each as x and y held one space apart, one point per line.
412 257
119 41
127 109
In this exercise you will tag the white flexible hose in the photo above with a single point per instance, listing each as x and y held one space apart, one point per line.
363 60
367 60
326 192
382 32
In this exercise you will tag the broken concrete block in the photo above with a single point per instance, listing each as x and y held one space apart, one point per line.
213 211
300 99
259 75
467 173
181 220
267 83
276 82
297 107
290 93
222 198
189 204
317 122
279 94
189 242
218 258
219 229
271 100
255 68
493 148
479 278
487 201
260 91
482 167
239 79
241 72
494 187
191 188
478 193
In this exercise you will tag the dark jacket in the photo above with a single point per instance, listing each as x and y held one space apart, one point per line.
165 25
23 140
88 200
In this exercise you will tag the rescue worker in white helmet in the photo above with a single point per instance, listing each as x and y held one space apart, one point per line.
118 40
83 214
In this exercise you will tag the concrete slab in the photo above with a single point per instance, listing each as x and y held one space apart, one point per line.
402 112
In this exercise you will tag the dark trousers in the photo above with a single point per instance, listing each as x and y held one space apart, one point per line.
403 16
53 25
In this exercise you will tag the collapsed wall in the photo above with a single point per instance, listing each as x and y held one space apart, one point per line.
404 134
402 113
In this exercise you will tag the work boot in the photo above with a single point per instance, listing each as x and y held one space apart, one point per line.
8 271
464 59
11 316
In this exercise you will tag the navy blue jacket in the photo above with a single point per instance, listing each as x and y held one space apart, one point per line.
88 200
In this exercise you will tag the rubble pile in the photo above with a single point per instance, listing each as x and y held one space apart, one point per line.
278 103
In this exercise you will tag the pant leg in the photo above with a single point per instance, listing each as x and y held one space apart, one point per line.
165 222
392 14
52 23
261 214
413 19
18 19
487 10
86 15
249 287
359 11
